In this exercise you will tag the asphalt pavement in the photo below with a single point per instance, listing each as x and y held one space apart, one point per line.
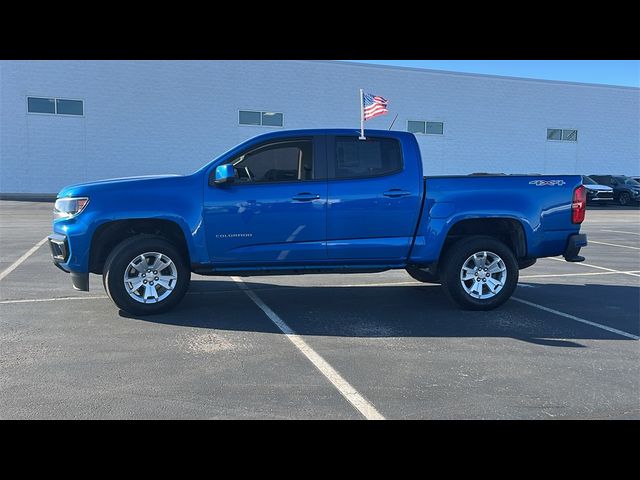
565 346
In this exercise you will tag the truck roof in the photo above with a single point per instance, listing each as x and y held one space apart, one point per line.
332 131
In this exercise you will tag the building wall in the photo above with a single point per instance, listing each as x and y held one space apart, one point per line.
147 117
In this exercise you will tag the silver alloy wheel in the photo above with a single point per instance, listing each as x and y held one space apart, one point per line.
483 275
150 277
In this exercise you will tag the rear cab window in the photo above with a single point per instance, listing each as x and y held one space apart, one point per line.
353 158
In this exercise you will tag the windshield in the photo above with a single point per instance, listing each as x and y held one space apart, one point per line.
588 180
627 181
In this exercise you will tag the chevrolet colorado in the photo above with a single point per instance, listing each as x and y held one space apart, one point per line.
315 201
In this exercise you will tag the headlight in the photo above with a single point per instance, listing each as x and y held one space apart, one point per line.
69 207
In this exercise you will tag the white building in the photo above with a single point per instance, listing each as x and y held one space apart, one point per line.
64 122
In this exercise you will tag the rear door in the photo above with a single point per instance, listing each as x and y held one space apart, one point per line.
374 195
275 212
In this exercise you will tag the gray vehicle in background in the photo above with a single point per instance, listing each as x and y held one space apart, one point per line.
597 193
625 189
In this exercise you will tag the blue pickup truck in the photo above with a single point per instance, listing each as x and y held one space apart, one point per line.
315 201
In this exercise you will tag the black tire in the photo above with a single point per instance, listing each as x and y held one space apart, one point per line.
118 261
422 276
455 258
624 199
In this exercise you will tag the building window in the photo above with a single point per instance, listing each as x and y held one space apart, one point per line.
53 106
41 105
559 134
425 128
69 107
570 135
264 119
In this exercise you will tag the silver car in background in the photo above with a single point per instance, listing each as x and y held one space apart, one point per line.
597 193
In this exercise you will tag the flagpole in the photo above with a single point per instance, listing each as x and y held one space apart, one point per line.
362 137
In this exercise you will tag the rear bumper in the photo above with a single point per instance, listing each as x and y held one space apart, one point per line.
59 245
574 244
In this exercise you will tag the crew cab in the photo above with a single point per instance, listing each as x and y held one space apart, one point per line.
315 201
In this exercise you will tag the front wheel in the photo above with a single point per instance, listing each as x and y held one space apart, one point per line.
624 199
146 275
480 273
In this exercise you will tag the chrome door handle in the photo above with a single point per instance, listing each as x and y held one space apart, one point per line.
306 197
396 193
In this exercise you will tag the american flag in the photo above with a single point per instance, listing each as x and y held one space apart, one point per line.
373 105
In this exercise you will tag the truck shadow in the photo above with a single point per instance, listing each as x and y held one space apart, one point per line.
407 311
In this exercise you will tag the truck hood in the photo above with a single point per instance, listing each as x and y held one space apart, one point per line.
127 182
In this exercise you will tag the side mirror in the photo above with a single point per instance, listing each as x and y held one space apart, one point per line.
225 174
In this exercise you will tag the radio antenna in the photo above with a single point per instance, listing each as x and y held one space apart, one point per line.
394 121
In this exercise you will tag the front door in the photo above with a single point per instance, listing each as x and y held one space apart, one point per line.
274 213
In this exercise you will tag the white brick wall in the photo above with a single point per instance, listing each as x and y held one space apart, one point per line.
146 117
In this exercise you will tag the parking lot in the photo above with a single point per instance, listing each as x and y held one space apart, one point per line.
356 346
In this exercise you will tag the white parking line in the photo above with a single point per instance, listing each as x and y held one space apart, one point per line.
614 245
17 263
577 274
621 231
345 389
578 319
593 266
54 299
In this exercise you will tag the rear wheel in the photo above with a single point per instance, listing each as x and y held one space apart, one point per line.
146 275
480 273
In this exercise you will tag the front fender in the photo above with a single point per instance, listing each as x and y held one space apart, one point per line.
174 199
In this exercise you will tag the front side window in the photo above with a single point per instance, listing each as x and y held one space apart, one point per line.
286 161
372 157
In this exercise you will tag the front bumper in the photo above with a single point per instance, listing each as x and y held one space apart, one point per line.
574 244
599 197
59 245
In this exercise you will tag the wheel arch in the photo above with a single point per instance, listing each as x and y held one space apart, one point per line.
110 234
509 230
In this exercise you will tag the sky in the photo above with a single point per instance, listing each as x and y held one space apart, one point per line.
610 72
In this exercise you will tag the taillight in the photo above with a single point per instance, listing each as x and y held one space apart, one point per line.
579 205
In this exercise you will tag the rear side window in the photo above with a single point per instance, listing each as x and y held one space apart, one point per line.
372 157
287 161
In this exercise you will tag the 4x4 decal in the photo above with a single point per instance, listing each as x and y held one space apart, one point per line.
547 183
